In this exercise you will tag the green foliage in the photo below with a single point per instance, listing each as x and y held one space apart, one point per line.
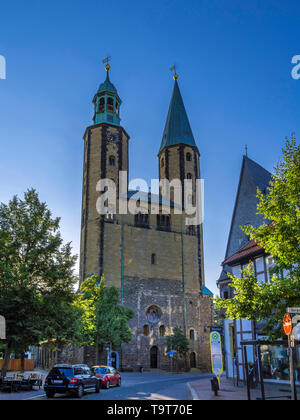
36 281
178 341
281 239
103 319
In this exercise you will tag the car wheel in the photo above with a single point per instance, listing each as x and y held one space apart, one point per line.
107 384
50 394
97 388
119 382
80 391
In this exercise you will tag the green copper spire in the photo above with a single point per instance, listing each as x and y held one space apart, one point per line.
107 102
177 129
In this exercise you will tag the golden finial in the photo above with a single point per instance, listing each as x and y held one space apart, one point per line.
106 61
175 76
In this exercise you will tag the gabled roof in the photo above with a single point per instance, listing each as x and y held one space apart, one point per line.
177 128
245 209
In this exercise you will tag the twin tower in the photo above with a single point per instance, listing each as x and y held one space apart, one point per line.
153 258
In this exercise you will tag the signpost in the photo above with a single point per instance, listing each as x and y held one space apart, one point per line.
216 354
291 333
171 354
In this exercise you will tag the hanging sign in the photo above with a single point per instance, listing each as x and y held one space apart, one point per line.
216 353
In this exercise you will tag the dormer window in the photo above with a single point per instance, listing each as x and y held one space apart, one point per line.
110 105
102 105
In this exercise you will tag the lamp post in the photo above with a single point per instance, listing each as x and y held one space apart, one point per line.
107 348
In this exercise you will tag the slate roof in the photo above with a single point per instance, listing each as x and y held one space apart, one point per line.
177 129
261 179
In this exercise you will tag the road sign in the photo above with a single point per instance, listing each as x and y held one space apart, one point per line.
171 353
293 311
287 324
216 353
296 332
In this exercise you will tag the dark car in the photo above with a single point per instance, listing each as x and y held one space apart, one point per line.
108 376
72 379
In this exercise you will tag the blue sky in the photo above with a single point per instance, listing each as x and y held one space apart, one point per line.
234 61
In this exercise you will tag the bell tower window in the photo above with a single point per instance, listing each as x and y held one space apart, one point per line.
102 105
110 105
188 157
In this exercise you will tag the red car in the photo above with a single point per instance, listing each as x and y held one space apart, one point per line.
108 375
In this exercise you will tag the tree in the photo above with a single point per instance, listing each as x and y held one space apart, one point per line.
37 280
178 342
280 238
104 320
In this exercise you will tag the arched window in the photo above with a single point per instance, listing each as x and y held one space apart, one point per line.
146 330
192 335
153 259
162 331
141 220
102 105
112 161
110 105
188 157
189 176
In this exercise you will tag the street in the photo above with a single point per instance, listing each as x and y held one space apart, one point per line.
135 386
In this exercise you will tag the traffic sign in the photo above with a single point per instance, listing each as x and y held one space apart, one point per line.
171 353
296 332
216 353
287 324
293 310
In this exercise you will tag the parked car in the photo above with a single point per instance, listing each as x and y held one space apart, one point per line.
73 379
108 375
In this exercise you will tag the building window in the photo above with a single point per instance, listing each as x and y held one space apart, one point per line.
188 157
153 259
141 220
162 331
110 105
146 330
163 222
192 335
110 118
189 176
191 230
225 295
102 105
112 161
162 162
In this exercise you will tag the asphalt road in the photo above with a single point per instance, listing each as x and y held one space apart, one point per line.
142 386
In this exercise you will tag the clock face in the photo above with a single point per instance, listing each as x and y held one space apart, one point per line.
112 137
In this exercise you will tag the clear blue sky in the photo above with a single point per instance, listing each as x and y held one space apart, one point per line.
234 61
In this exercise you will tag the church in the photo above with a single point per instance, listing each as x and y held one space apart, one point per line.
154 259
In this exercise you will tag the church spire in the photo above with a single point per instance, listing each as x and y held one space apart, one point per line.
107 102
177 129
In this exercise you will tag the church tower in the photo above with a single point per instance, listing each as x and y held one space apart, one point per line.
105 154
179 159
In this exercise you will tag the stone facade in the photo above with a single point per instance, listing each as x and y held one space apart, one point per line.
152 266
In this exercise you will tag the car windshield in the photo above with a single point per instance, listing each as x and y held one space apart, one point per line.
101 370
62 371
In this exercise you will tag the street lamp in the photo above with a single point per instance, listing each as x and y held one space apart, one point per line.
107 348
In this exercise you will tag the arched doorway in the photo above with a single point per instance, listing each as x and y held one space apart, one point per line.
193 360
115 359
154 357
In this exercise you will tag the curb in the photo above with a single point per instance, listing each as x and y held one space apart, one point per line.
192 392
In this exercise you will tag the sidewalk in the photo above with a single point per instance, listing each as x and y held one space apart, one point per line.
201 390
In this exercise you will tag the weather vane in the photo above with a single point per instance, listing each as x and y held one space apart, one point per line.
175 77
246 149
106 61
